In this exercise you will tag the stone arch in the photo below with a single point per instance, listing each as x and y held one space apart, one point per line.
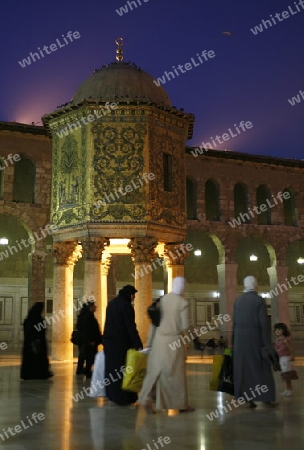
14 255
212 200
295 258
191 198
213 253
254 245
262 198
27 222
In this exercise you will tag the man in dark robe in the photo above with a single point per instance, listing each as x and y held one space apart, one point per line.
120 334
81 346
251 332
92 337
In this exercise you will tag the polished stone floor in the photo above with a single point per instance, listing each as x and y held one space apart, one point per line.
91 424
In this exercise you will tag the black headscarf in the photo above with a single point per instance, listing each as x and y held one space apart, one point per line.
35 312
127 291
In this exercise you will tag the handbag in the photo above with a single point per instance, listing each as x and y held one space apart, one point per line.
133 379
76 338
216 370
154 312
289 375
226 383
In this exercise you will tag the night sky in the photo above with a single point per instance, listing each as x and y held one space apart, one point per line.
250 78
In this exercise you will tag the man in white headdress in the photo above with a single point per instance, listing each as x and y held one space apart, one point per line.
166 371
251 332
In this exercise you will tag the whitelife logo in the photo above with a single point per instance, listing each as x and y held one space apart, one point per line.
285 15
199 331
225 137
184 68
10 158
245 217
109 198
124 9
107 109
237 402
53 48
23 425
294 100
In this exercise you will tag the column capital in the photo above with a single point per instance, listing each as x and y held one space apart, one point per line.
93 247
175 254
66 253
142 250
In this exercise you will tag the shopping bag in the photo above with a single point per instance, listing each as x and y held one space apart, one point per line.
97 388
290 375
133 379
76 338
216 370
226 383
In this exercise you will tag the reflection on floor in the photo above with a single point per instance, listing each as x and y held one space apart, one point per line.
62 423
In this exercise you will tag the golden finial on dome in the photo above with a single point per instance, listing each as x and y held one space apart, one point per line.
119 52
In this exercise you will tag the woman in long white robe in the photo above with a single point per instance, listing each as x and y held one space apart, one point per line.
166 370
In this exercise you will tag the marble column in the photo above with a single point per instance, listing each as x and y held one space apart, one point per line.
65 256
105 266
143 253
227 280
174 258
111 279
36 278
92 252
279 303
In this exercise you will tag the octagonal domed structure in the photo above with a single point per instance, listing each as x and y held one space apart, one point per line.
121 82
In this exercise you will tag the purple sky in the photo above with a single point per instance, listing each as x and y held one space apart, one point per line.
250 78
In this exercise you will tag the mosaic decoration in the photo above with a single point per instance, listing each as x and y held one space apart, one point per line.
168 208
118 162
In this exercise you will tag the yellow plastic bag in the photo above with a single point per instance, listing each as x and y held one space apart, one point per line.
216 370
138 362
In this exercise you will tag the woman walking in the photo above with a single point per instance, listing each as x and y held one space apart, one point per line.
120 334
166 371
35 362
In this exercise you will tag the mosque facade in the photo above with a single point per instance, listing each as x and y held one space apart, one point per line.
108 193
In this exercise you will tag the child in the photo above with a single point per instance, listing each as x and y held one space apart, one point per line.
284 348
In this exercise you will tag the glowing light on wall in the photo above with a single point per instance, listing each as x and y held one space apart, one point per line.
253 258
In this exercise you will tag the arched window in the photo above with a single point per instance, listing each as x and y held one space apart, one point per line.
212 201
191 199
263 206
24 181
289 207
240 194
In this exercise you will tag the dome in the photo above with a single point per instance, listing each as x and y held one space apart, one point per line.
121 82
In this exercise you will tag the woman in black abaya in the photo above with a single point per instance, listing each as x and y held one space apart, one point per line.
120 334
35 362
